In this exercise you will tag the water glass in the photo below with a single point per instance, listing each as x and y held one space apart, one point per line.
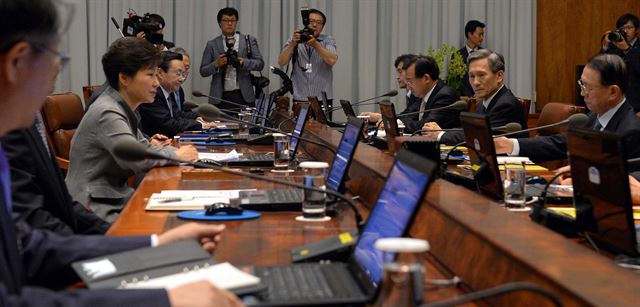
244 127
402 271
281 154
314 205
514 185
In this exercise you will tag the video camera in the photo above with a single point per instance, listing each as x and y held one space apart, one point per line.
231 54
135 24
306 33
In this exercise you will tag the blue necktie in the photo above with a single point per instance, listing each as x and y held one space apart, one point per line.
5 180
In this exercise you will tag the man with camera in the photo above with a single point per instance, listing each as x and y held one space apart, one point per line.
312 60
230 58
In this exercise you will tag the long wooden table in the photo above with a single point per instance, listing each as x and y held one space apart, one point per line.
470 236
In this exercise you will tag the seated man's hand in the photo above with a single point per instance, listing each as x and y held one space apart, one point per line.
207 234
503 145
634 186
431 130
201 294
373 116
160 140
205 124
566 178
187 153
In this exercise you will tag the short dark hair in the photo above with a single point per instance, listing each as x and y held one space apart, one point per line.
166 57
155 18
36 21
228 11
404 59
471 26
496 60
626 18
612 70
180 50
128 55
426 65
316 11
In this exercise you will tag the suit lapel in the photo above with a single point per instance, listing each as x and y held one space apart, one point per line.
618 117
432 97
495 99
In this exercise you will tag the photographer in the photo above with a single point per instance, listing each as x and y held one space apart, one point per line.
149 27
312 60
227 58
624 38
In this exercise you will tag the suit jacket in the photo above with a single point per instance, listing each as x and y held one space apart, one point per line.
624 123
94 172
413 105
33 267
156 117
211 52
40 196
632 59
441 96
465 88
503 109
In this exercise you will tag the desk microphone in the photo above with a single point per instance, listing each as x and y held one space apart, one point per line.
201 94
576 121
214 112
115 23
391 93
459 105
192 105
132 150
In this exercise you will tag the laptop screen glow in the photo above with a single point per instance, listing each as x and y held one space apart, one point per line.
297 130
341 161
258 109
390 216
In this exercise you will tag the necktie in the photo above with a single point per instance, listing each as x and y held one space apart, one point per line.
171 101
5 180
177 97
597 126
43 135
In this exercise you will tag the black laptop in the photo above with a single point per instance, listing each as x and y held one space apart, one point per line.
347 108
291 199
601 190
356 281
266 159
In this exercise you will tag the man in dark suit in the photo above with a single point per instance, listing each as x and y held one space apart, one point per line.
40 196
603 84
423 78
35 263
486 73
163 115
231 80
474 34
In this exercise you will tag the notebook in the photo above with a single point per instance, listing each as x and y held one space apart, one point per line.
356 281
291 199
601 190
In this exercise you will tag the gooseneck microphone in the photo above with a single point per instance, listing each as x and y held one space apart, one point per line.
459 105
576 120
510 127
391 93
214 112
115 23
192 105
201 94
287 85
132 150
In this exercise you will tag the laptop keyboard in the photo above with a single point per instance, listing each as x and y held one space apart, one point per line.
259 157
300 282
286 195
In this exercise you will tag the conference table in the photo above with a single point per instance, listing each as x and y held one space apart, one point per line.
470 235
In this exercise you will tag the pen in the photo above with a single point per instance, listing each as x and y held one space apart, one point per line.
174 199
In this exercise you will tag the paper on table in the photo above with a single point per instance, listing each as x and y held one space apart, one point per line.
219 156
189 199
503 160
223 275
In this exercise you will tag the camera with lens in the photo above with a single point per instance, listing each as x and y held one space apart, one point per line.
306 33
135 24
231 54
616 36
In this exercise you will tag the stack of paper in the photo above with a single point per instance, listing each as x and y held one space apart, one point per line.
180 200
219 156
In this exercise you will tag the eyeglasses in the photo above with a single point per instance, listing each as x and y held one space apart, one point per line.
583 87
181 73
409 80
315 21
229 21
61 58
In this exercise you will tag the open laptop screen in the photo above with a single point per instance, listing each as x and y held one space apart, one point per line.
484 164
392 213
344 153
297 130
258 109
266 109
347 108
601 189
389 119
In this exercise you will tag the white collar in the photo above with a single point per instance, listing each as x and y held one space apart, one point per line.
605 118
426 97
488 100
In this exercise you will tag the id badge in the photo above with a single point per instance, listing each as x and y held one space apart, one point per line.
308 68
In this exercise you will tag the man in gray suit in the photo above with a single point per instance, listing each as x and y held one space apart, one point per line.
231 75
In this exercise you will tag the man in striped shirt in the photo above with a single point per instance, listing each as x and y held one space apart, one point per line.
312 60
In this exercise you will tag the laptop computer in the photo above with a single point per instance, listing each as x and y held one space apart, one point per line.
317 110
291 199
356 281
327 106
602 197
266 159
389 120
347 108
